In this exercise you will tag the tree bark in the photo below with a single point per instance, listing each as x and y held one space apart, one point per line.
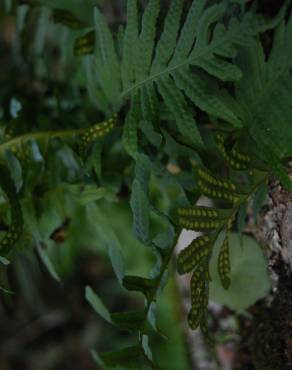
270 335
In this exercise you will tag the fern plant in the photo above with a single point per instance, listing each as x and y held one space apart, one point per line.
197 93
184 60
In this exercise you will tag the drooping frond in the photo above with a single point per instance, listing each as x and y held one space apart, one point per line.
194 254
212 222
199 296
224 264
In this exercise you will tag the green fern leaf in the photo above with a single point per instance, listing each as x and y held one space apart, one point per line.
149 103
106 44
84 44
130 130
96 94
188 32
139 284
235 159
199 296
141 209
107 60
131 321
130 40
143 171
224 264
210 16
177 105
97 131
127 358
194 254
206 95
223 50
167 41
203 53
201 218
147 39
216 188
164 64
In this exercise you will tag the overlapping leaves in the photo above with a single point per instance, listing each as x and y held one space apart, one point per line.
184 60
212 222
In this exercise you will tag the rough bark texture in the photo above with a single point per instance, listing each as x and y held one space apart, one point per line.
271 333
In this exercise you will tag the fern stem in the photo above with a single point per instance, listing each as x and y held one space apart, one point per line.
163 269
38 136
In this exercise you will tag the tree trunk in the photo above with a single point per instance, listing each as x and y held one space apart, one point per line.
270 335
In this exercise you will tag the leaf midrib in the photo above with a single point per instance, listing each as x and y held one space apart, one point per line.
168 70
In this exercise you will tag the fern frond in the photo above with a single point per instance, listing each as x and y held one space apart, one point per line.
199 296
130 39
167 64
130 131
177 105
224 264
108 66
106 44
84 44
201 218
206 94
216 188
234 158
167 41
20 146
146 41
188 32
194 254
149 103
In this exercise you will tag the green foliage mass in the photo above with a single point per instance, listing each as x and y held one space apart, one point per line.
182 96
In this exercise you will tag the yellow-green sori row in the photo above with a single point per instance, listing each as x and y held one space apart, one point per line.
217 194
201 241
206 177
201 218
187 263
19 145
84 44
234 158
199 225
98 131
224 264
199 296
194 254
198 211
240 156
